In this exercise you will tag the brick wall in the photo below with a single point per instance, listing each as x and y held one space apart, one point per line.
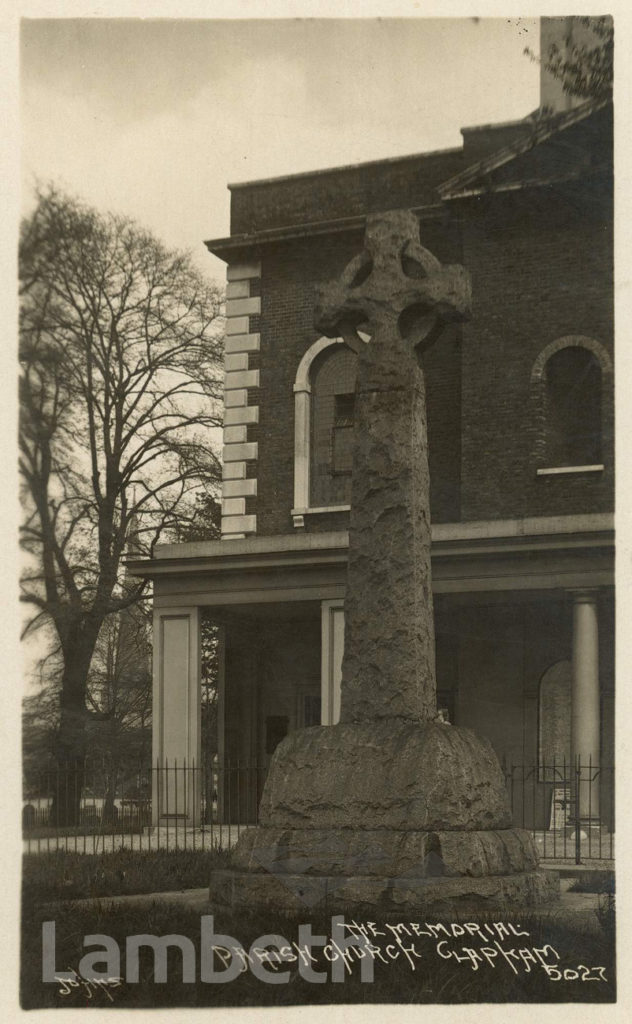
482 141
540 271
342 192
289 275
540 261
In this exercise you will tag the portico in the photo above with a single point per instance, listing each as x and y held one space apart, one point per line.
280 604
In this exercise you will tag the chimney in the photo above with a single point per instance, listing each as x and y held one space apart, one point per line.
564 33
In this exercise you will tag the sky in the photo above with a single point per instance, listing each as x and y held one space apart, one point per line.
153 118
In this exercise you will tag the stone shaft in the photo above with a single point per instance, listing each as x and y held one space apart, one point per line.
405 296
388 666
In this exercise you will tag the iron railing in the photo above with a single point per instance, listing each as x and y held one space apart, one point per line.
94 807
568 806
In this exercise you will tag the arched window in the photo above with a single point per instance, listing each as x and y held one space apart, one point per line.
573 408
571 397
333 394
324 393
554 722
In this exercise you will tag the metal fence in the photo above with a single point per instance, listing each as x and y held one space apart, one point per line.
567 806
95 808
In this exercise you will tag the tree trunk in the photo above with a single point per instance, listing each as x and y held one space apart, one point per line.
68 782
70 746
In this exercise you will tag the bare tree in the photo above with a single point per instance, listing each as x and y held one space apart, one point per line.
40 717
118 702
120 349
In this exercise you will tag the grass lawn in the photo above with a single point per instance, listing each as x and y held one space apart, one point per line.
594 881
68 875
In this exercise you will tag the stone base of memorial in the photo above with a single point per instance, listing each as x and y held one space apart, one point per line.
384 815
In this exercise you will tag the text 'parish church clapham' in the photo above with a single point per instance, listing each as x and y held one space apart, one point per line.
520 435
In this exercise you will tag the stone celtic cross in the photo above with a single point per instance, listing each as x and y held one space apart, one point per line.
403 296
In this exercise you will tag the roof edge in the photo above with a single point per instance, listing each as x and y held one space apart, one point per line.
232 186
503 156
230 243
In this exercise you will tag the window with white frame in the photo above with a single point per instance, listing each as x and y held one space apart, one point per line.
333 395
324 400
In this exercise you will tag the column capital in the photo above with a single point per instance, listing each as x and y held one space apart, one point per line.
584 595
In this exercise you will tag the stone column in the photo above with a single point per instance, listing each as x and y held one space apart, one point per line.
332 647
585 717
176 735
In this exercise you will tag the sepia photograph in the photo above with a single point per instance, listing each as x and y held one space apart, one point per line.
317 494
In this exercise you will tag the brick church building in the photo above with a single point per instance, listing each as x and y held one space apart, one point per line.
520 424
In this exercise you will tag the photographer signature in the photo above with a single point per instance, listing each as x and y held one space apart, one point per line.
89 985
